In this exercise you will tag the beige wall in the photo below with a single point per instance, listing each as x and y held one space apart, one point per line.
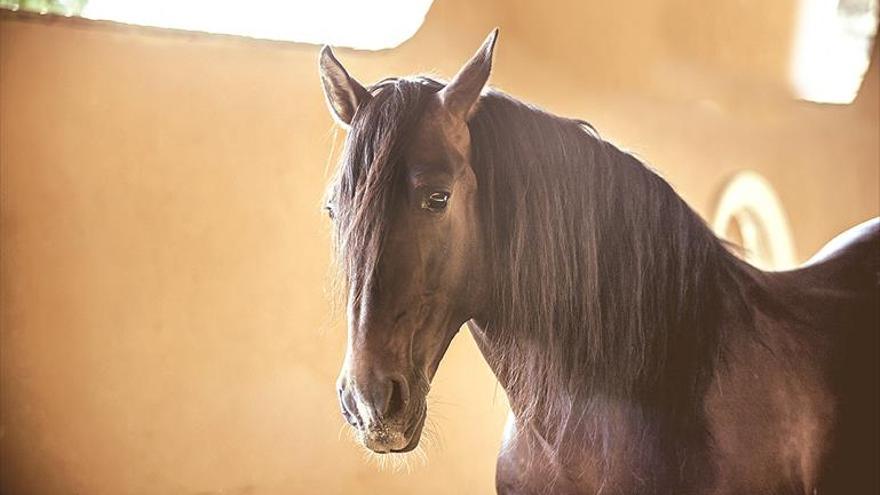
166 324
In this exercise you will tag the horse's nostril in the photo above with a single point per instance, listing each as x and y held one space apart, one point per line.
349 418
380 399
349 412
398 397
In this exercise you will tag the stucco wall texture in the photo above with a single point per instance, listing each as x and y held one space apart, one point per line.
167 316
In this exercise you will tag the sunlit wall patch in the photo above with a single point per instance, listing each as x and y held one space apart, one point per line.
369 25
832 48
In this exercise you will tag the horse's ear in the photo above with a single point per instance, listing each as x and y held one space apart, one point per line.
344 94
461 94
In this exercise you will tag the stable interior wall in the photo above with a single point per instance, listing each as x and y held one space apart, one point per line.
166 316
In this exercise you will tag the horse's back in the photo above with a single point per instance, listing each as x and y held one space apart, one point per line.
850 261
843 281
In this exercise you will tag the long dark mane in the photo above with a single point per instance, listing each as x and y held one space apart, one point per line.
606 284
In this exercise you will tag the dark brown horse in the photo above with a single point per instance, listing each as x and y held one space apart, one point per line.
638 354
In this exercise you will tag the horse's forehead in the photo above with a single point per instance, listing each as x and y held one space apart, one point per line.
438 138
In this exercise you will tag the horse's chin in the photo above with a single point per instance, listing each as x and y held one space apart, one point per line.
398 442
414 437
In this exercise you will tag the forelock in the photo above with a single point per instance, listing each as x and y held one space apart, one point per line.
369 173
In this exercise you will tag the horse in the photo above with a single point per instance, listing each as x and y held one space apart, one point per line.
639 353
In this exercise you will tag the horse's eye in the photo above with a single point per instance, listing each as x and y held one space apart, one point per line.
436 201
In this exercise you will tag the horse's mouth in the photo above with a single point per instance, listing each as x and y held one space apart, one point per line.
384 439
414 434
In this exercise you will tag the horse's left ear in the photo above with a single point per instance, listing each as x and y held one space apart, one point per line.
461 94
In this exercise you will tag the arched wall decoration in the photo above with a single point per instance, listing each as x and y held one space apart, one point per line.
750 214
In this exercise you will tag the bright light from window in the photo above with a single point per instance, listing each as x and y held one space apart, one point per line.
833 48
372 25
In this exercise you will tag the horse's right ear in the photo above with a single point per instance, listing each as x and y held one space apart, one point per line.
344 94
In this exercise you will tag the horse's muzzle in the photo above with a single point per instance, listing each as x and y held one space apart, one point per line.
381 415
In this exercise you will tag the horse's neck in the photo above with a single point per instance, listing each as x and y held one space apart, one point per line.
616 444
602 441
